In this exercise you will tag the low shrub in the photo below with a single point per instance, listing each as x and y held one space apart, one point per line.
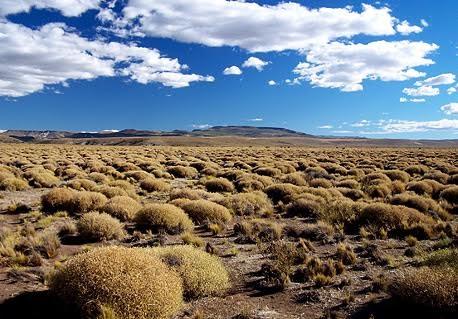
83 202
303 207
219 185
163 217
420 188
422 204
123 208
320 182
259 229
435 288
13 184
154 185
58 199
183 171
396 220
132 283
450 195
202 273
282 192
97 227
203 211
247 204
82 184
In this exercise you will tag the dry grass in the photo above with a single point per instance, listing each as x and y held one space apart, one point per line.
202 273
122 207
94 226
436 288
248 204
163 217
203 211
133 283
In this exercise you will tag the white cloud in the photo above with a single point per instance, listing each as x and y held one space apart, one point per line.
346 66
443 79
326 127
405 100
32 59
69 8
233 70
253 62
421 91
402 126
405 28
272 83
418 100
451 90
362 123
342 132
252 26
450 109
256 119
424 23
201 126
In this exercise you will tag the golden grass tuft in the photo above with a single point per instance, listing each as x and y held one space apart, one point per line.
247 204
163 217
122 207
219 185
133 283
202 274
203 211
94 226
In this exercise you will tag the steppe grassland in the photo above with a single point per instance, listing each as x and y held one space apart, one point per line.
183 225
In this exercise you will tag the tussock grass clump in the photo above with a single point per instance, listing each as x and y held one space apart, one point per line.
203 211
183 171
259 229
82 184
267 171
296 178
122 207
58 199
397 175
450 195
422 204
97 227
163 217
13 184
154 185
111 191
305 207
420 188
41 177
435 288
252 182
320 182
202 274
219 185
83 202
133 283
245 204
282 192
396 220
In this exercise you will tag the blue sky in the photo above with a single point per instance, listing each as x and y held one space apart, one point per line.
327 67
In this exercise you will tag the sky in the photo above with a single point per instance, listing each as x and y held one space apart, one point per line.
379 69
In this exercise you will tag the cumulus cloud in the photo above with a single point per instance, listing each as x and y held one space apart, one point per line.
69 8
422 91
405 28
253 62
402 126
232 70
451 90
53 54
272 83
443 79
450 109
346 66
252 26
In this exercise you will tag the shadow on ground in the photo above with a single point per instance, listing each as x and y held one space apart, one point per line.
36 305
390 308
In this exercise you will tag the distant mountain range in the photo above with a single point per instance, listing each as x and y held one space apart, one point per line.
217 135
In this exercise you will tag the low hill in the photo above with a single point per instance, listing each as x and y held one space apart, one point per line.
214 136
